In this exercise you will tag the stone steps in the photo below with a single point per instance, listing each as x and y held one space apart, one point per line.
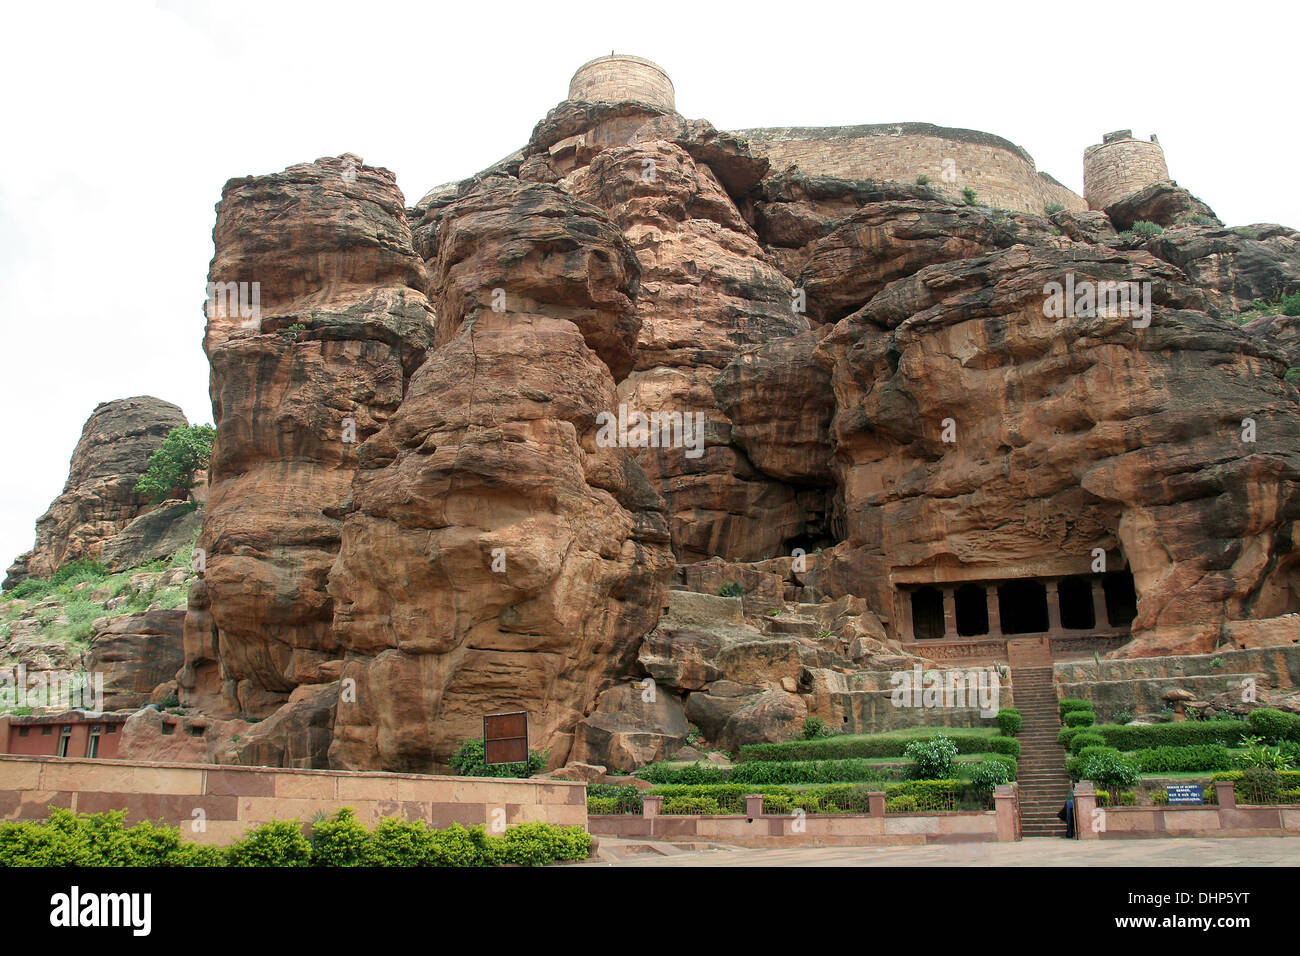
1043 784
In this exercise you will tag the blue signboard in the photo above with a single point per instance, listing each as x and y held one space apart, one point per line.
1184 793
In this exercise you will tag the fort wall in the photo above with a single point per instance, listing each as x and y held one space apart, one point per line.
1119 166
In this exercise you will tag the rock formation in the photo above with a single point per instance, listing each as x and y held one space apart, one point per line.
99 498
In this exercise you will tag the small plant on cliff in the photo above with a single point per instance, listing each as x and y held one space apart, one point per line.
1291 304
1194 219
923 180
731 589
1052 208
184 452
1146 230
969 195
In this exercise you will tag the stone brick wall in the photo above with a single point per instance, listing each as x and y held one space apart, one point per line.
232 799
1001 173
614 79
1119 167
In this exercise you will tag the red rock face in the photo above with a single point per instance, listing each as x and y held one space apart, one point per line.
99 499
343 323
496 556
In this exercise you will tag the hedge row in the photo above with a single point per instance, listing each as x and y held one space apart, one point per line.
929 795
1227 733
873 745
101 839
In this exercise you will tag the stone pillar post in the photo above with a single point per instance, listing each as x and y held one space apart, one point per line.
995 610
903 599
1054 607
876 803
650 806
1004 802
1226 793
1087 825
1099 605
949 612
753 804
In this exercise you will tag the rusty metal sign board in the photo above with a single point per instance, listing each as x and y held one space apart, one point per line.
505 738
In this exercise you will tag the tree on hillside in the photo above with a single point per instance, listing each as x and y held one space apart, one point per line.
172 467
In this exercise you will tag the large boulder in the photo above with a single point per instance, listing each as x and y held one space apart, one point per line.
630 728
135 653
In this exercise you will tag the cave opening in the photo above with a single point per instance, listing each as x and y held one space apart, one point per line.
1075 596
1022 606
927 614
1121 598
972 610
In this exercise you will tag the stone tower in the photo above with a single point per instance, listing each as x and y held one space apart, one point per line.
1119 166
615 78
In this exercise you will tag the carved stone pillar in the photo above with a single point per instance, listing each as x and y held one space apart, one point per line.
995 610
1099 605
1054 608
949 612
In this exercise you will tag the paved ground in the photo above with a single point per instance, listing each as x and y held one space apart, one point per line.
1244 851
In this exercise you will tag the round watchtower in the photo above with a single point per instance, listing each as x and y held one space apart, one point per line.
616 78
1119 166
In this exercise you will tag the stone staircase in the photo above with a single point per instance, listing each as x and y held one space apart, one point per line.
1043 783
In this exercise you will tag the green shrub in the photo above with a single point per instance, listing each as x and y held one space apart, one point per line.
1080 718
460 846
1290 304
901 804
731 589
932 758
184 452
1108 770
340 841
627 796
846 746
989 773
1259 754
1074 765
697 772
1160 798
1008 720
470 760
536 844
1085 739
1146 230
923 180
1181 759
1289 796
602 805
969 195
777 803
1274 726
278 843
690 805
1195 219
1187 733
814 728
397 842
1052 208
806 771
1073 703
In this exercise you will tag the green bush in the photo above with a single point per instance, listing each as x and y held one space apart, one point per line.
1108 770
1290 304
806 771
777 803
536 844
1195 219
1073 703
932 758
731 589
184 452
989 773
846 746
1146 230
901 804
1259 754
1085 739
602 805
1183 734
691 805
627 796
1074 765
1052 208
1181 759
697 772
340 841
1008 720
278 843
397 842
1080 718
969 195
923 180
470 760
1011 765
814 728
1274 726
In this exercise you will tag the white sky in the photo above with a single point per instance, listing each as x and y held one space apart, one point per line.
124 119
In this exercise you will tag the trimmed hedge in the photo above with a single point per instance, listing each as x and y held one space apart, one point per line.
101 839
1181 759
930 795
809 771
627 797
1080 718
602 805
1274 726
697 772
1008 720
847 747
1073 703
1187 733
1085 739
